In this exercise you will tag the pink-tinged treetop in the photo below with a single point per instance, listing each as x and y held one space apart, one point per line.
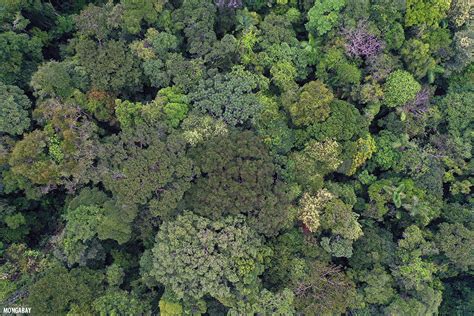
420 104
229 4
361 43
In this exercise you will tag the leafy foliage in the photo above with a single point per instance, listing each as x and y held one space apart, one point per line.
227 255
14 106
323 16
400 88
312 105
19 56
235 176
237 157
230 97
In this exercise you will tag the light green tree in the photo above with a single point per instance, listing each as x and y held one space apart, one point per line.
324 15
194 257
400 88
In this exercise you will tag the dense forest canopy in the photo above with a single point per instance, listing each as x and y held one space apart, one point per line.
237 157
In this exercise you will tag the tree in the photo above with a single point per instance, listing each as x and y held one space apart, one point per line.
416 55
325 211
272 126
224 54
19 56
29 159
53 79
337 246
19 264
382 66
457 297
395 36
316 160
325 290
293 59
417 205
400 88
58 290
72 138
336 70
378 285
364 149
174 104
276 29
14 106
459 12
92 215
323 16
129 114
463 48
196 19
115 275
312 105
360 43
111 67
155 50
14 226
231 4
185 73
80 245
387 14
343 123
402 306
413 272
120 302
459 115
140 168
284 75
338 217
97 21
455 241
199 129
426 12
236 175
292 251
375 247
231 96
280 303
311 207
136 11
225 257
170 306
98 103
61 153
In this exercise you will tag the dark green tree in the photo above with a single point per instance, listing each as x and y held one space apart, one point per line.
237 176
59 291
19 56
110 67
14 106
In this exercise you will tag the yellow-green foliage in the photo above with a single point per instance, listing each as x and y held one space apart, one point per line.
312 105
426 12
311 207
168 308
365 147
